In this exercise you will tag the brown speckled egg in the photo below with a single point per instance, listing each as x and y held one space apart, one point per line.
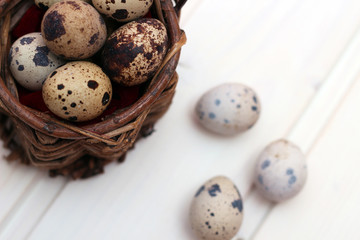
73 29
216 211
78 91
133 53
45 4
123 10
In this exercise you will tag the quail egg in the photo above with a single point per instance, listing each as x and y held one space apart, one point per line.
30 61
73 29
133 53
78 91
281 171
216 211
123 10
228 109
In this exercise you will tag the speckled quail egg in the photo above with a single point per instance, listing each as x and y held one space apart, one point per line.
78 91
228 109
30 61
73 29
123 10
216 211
45 4
133 53
281 171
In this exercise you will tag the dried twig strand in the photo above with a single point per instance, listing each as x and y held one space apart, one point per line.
80 152
3 5
7 5
179 5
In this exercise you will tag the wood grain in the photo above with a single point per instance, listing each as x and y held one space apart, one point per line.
328 205
312 122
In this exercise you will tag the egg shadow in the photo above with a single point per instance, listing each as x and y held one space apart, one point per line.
185 217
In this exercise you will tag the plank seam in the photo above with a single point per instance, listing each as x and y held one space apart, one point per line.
346 55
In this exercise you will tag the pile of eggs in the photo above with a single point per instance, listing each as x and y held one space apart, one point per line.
61 60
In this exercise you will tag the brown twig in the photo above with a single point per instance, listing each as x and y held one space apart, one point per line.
179 5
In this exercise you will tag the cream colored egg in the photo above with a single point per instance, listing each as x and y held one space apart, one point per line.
281 171
216 211
133 53
123 10
45 4
228 109
78 91
30 61
73 29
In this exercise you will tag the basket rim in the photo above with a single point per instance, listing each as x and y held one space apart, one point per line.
49 125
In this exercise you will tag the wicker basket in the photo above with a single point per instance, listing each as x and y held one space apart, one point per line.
63 148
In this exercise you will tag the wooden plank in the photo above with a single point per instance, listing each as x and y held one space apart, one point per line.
188 11
30 207
14 186
256 209
5 167
315 117
328 205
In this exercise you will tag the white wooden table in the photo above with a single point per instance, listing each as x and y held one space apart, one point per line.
303 59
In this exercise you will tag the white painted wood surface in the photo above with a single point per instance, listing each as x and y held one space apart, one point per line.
303 59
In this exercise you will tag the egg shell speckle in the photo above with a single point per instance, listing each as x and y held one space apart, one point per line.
228 109
123 10
45 4
78 91
280 171
73 29
133 53
216 211
30 61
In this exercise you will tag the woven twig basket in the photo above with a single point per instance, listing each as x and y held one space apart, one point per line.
43 141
